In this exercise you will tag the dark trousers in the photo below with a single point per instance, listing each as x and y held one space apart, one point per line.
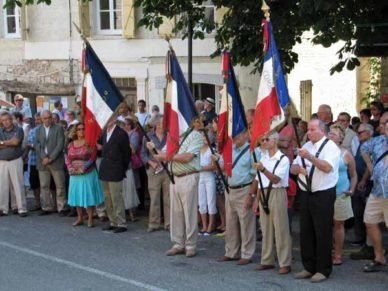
358 204
316 230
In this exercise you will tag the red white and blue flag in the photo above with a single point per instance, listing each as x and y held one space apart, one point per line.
179 108
273 94
100 96
231 120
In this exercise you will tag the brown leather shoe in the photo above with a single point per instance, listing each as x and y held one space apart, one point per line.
191 253
174 251
284 270
261 267
225 259
242 262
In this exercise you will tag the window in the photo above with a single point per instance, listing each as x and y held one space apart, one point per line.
210 14
12 22
109 16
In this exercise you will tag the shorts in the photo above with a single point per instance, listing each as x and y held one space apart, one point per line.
376 210
343 208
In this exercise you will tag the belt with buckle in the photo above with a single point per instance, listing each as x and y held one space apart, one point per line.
239 186
186 174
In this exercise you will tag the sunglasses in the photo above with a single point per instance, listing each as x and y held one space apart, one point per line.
361 131
265 139
18 100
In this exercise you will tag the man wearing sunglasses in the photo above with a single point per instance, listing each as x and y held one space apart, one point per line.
274 172
364 186
20 107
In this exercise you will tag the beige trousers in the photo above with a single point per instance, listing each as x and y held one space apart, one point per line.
158 185
114 203
11 176
59 180
275 229
240 235
184 205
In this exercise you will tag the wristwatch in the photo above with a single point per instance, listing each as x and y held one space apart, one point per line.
262 170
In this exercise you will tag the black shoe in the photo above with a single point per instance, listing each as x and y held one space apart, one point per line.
62 213
15 211
23 214
365 253
109 228
36 208
44 212
120 229
357 243
72 213
375 266
103 219
2 213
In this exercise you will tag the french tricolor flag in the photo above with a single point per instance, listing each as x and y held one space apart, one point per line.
179 108
100 96
231 120
273 94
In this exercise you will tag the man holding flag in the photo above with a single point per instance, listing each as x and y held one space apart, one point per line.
240 235
184 142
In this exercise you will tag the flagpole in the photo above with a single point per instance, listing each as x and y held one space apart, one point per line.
265 9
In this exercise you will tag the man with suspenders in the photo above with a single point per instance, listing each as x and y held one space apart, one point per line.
240 235
274 171
317 169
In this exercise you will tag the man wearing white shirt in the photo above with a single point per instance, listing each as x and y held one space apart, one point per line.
317 194
274 167
142 115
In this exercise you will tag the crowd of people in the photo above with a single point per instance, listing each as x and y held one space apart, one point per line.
336 171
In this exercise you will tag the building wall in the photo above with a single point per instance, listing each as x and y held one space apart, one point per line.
51 40
338 90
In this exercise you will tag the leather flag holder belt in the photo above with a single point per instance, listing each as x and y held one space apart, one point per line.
186 174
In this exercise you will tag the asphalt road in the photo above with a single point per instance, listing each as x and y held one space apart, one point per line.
47 253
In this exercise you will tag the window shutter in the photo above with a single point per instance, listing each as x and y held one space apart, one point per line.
220 13
306 92
23 21
128 19
165 29
84 17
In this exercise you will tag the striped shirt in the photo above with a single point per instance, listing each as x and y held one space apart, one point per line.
192 144
32 152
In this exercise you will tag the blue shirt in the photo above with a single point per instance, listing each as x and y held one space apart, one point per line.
243 172
375 147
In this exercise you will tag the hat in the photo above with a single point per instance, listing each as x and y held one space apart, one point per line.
19 97
210 100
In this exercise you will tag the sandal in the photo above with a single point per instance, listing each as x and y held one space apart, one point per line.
78 223
337 260
375 266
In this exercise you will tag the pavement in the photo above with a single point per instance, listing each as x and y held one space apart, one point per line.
47 253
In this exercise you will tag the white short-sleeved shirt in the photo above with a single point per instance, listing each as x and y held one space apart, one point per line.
282 170
321 180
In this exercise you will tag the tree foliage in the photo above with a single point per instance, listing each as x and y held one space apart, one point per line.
240 30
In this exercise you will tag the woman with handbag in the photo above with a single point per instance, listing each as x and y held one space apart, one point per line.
85 190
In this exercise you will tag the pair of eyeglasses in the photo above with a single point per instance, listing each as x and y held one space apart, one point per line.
80 129
361 131
18 100
265 139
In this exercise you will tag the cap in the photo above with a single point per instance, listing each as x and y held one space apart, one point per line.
210 100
